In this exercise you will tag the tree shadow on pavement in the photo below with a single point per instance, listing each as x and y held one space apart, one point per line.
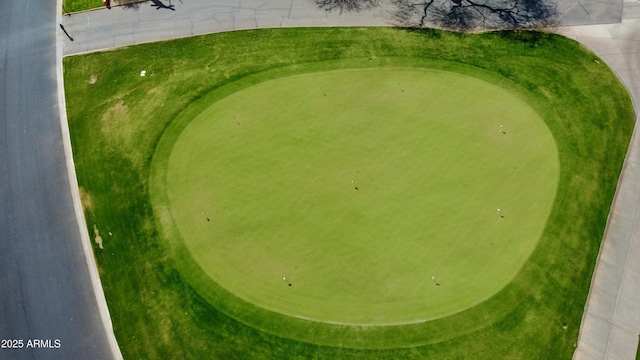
160 5
128 4
474 15
459 15
132 6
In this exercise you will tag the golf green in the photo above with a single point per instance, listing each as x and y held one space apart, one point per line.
369 197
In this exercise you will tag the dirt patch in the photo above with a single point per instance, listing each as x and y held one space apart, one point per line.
126 2
546 93
93 79
85 199
113 115
97 239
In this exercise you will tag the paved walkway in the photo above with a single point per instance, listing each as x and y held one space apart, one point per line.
105 29
611 322
610 28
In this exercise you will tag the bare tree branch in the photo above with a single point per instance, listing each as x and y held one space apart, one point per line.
460 15
468 15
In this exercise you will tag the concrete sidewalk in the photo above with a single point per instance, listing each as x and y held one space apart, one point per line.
610 28
121 26
106 29
611 321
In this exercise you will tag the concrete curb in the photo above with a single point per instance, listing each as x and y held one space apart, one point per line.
79 214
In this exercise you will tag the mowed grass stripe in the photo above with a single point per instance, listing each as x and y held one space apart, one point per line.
359 186
117 117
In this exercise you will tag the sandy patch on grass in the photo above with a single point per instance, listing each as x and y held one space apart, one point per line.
112 118
165 330
126 2
93 79
85 199
546 93
97 239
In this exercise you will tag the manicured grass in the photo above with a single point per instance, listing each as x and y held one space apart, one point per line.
78 5
117 119
345 183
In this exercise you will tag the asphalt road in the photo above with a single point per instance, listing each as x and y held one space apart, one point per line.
46 292
45 287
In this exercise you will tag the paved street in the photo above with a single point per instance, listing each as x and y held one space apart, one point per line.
41 254
47 294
